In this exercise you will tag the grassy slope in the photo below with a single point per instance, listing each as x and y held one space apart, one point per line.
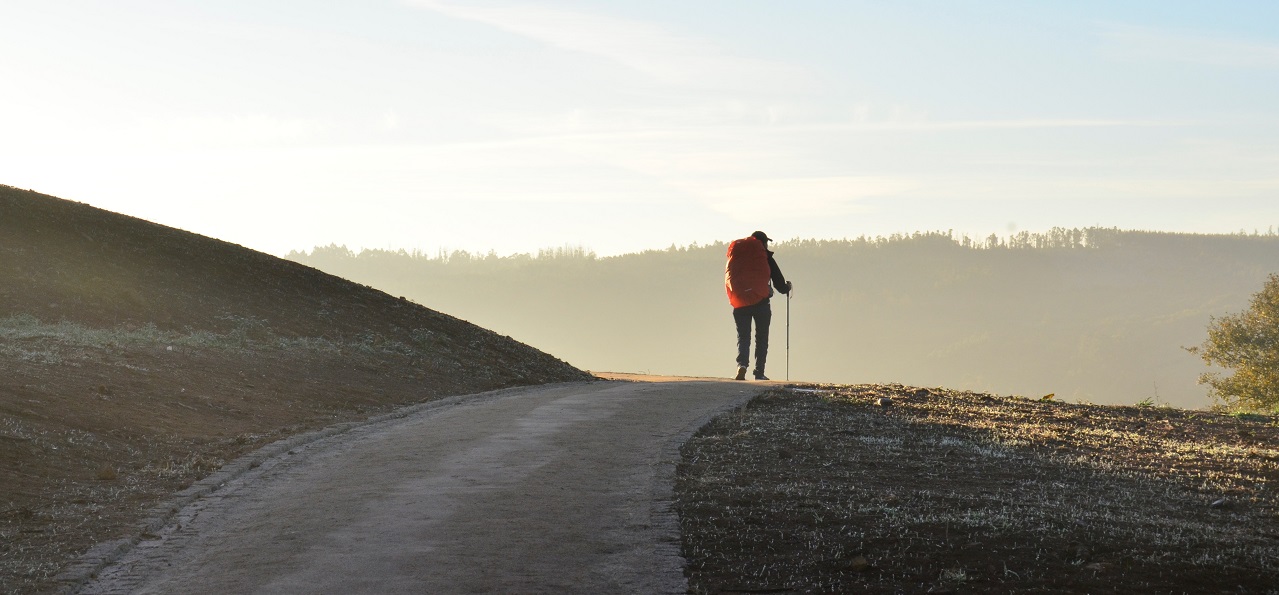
825 489
138 358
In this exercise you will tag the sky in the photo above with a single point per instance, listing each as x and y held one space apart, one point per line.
618 126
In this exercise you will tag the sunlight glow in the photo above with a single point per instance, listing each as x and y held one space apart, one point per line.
513 125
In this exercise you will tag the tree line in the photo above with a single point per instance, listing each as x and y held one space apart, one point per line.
1094 314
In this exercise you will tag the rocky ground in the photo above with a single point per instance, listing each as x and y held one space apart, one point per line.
890 489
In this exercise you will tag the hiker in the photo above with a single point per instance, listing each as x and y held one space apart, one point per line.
749 278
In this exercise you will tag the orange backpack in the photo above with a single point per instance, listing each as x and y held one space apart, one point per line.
746 274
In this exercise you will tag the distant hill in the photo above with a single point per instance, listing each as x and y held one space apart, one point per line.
1095 314
137 358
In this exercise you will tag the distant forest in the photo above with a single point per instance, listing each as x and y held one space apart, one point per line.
1097 315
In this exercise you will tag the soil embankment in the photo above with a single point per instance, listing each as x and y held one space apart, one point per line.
139 358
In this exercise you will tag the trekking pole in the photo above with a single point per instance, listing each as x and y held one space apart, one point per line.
788 334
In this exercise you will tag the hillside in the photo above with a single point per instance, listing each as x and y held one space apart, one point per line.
895 489
1095 315
138 358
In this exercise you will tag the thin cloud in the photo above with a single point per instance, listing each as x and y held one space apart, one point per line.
1145 43
756 199
585 126
926 125
161 133
655 51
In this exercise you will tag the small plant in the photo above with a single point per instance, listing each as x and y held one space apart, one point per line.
1255 417
953 575
192 465
1146 403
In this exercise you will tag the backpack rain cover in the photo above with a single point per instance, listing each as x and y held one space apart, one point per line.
746 274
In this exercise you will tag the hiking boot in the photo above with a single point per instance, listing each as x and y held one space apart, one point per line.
760 376
741 373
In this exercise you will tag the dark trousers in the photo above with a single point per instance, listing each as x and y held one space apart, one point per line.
762 314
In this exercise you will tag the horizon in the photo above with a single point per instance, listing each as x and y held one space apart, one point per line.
512 126
1044 314
976 243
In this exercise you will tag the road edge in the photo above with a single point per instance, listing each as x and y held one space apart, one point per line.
86 567
665 518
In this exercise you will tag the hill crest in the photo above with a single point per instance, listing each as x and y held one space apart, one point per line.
140 358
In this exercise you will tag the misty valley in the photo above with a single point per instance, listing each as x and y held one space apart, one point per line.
1093 315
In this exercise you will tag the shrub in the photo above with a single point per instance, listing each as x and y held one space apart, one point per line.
1248 344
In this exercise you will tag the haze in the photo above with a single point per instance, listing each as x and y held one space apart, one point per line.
1093 315
621 126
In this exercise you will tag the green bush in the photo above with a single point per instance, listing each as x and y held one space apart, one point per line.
1248 344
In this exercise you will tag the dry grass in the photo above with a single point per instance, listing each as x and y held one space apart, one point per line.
100 426
137 358
822 489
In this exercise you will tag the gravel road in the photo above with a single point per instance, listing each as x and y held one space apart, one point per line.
563 488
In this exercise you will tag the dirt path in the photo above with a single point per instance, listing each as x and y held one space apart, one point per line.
553 489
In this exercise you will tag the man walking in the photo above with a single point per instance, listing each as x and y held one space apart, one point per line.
749 278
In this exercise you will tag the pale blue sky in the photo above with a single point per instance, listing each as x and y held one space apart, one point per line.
620 126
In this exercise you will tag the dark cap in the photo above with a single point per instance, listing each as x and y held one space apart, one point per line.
759 235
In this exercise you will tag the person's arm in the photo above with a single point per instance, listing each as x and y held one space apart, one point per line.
779 280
